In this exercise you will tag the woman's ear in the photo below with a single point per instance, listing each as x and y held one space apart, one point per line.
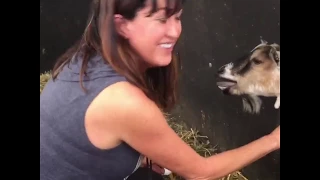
121 25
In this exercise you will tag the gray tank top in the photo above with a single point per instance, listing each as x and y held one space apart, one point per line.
65 151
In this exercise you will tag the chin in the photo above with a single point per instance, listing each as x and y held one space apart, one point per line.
166 60
164 63
161 62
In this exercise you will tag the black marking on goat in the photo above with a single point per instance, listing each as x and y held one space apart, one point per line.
242 64
243 70
238 62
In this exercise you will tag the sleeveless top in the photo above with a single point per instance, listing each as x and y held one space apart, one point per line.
65 150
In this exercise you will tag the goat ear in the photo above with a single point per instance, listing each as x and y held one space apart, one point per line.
276 46
275 55
263 41
278 60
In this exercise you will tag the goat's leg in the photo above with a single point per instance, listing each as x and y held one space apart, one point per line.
277 103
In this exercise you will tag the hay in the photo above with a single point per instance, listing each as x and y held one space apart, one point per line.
44 79
191 136
200 144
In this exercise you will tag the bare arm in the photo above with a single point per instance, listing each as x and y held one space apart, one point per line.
229 161
138 121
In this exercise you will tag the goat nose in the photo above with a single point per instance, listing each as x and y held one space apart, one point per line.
221 69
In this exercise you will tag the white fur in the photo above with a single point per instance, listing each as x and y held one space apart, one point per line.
277 103
227 72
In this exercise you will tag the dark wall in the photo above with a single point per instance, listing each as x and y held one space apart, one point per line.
214 32
61 24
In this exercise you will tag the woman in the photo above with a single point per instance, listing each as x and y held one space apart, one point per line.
101 114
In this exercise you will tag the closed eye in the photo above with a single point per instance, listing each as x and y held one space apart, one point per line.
256 61
162 20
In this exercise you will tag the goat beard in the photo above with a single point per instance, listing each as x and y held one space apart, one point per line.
253 103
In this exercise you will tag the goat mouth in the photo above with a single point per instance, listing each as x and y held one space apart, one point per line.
224 83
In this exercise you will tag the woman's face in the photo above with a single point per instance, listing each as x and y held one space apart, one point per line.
154 37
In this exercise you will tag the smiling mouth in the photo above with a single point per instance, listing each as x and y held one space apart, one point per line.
167 45
224 83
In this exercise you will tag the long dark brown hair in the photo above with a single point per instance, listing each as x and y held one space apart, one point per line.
100 36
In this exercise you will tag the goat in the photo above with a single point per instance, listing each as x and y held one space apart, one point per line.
255 74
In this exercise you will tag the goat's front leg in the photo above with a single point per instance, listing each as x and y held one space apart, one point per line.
277 103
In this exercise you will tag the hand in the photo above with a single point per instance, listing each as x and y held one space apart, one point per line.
276 135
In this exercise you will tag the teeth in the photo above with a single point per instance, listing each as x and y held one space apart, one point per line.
166 45
222 87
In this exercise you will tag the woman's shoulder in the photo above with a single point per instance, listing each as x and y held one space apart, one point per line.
121 93
118 112
118 102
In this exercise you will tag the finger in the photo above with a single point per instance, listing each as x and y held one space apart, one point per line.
157 169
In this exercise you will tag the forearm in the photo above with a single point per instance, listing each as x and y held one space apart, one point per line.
227 162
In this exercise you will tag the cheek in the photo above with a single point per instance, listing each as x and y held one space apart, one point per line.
146 39
148 35
179 29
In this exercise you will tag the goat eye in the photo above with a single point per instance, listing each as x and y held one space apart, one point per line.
256 61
